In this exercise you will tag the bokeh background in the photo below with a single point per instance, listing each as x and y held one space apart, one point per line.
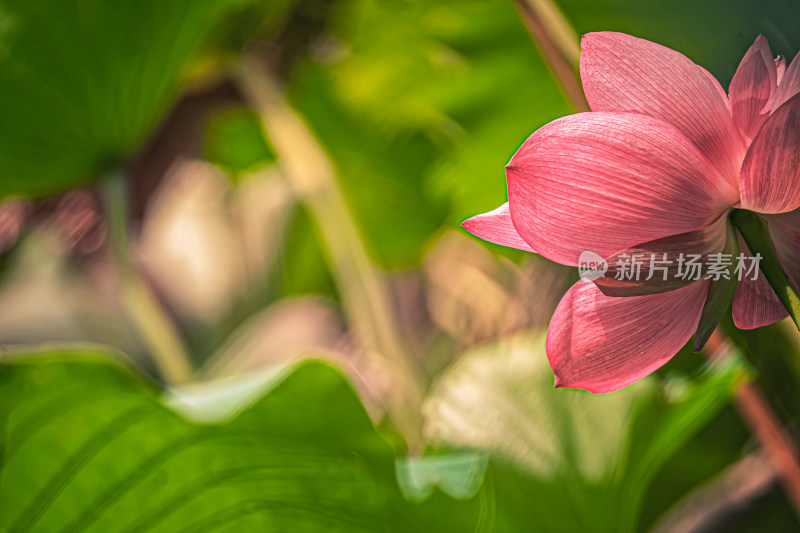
243 217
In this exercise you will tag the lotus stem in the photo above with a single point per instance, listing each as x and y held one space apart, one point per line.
558 43
312 178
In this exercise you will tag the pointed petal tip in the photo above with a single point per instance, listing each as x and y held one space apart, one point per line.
748 323
604 344
699 343
762 44
496 227
591 388
753 87
606 34
468 225
755 303
617 40
611 38
740 324
624 73
565 382
588 37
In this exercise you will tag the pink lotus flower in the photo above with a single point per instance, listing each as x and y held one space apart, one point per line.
656 165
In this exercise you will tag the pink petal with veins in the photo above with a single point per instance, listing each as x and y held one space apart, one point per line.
668 276
755 304
752 88
624 73
608 181
785 232
770 177
602 344
780 68
789 84
718 86
496 226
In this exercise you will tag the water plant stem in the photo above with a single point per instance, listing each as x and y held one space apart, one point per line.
558 43
365 297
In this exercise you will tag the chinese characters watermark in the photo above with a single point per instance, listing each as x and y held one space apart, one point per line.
665 266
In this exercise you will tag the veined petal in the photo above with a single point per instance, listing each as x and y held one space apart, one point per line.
663 263
762 45
624 73
496 226
608 181
717 85
785 232
780 68
602 344
752 87
755 304
770 176
789 84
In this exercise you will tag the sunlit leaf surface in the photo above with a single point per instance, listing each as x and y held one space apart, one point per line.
88 446
83 83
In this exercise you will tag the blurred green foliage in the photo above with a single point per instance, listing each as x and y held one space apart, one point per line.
301 267
234 141
82 84
88 446
419 104
589 460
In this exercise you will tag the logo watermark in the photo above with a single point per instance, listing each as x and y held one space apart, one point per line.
591 266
